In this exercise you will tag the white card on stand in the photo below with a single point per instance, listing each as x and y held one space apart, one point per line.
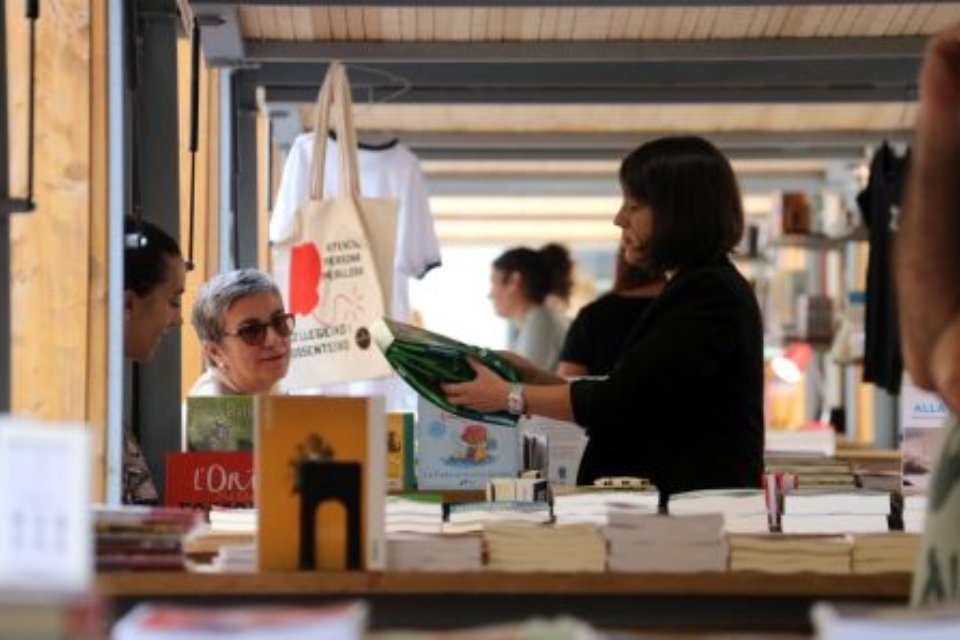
45 522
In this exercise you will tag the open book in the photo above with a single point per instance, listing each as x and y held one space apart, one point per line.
425 360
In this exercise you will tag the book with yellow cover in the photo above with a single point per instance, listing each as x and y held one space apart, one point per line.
400 475
320 473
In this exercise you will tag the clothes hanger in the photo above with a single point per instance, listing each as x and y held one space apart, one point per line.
400 86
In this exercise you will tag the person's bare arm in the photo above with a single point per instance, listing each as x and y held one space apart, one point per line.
488 392
571 369
928 247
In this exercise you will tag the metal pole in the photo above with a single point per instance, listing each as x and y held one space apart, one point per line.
116 208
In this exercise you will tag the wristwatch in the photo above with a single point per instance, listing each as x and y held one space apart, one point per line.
515 403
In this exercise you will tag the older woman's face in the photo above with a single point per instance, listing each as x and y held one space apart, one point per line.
635 220
252 368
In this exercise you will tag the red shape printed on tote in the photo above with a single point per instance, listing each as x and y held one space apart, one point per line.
305 272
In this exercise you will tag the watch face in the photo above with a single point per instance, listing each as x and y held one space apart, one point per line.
515 400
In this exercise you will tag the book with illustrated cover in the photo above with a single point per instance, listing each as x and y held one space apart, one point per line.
320 483
425 360
220 423
458 453
400 462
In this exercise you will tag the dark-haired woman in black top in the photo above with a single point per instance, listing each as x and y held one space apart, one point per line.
683 406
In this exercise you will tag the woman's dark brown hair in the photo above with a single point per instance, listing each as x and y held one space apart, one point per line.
693 194
542 272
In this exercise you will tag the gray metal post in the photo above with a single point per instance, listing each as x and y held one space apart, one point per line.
159 394
117 159
245 171
228 208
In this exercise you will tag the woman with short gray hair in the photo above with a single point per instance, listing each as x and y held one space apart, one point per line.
245 333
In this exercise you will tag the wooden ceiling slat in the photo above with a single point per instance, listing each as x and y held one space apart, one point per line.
512 23
530 24
705 24
877 22
495 21
548 27
286 23
778 17
320 17
478 23
791 25
635 23
759 21
940 18
302 24
355 29
918 19
899 20
831 16
390 24
618 23
650 28
844 23
688 23
372 21
268 22
733 22
670 25
408 24
566 18
250 23
809 21
425 25
591 24
338 23
460 23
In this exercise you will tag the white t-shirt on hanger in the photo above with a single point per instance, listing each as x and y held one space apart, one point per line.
389 172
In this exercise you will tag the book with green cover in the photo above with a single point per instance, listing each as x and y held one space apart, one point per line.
425 360
220 423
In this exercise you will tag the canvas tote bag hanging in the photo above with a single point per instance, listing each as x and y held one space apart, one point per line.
336 271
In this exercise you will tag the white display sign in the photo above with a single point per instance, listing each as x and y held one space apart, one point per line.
45 526
921 415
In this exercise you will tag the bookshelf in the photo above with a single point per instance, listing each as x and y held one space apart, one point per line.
687 602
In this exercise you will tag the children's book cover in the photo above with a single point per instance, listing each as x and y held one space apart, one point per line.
320 483
220 423
459 453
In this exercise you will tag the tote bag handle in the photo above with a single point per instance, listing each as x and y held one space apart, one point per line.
334 104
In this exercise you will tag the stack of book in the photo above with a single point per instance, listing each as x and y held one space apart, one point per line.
813 472
522 489
227 542
885 552
476 516
640 542
914 512
743 510
776 553
434 552
590 505
414 513
835 512
142 538
800 442
526 548
885 623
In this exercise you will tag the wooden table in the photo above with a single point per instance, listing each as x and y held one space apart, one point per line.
742 602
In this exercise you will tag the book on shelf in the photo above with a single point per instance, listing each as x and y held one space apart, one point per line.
320 483
453 452
425 360
219 423
400 452
204 479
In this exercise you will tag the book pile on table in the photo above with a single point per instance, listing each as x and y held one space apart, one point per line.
641 542
885 552
810 472
421 513
440 552
227 542
777 553
530 548
743 510
913 512
475 516
588 504
142 538
835 512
